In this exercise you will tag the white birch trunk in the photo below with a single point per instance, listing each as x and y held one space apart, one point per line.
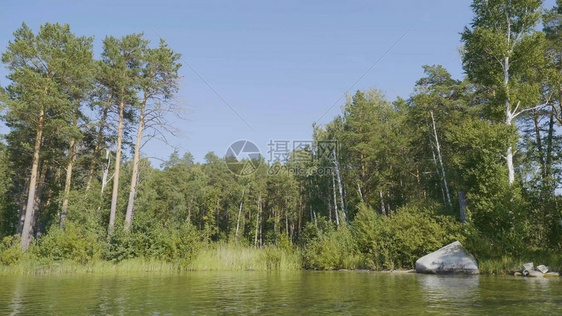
335 202
340 187
440 160
105 171
238 220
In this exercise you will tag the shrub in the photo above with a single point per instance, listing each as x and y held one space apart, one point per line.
10 250
332 249
398 241
71 242
181 243
126 245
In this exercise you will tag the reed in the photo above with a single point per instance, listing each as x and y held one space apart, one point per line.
231 257
214 257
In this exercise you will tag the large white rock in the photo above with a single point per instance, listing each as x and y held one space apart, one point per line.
452 258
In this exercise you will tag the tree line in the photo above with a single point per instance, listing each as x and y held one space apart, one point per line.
64 109
476 159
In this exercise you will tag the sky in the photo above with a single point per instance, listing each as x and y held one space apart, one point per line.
267 70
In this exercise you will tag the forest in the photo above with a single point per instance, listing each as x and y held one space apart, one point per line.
477 160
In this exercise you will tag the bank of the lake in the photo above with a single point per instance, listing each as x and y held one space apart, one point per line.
232 257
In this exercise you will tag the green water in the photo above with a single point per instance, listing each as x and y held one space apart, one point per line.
278 293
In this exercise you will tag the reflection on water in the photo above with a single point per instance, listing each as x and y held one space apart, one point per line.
275 293
461 291
449 287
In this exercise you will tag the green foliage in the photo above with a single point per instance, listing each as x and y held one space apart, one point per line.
397 242
234 257
10 250
332 250
179 243
126 245
74 242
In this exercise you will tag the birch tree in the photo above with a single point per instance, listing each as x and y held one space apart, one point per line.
500 48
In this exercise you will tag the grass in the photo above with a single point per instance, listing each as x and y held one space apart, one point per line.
228 257
98 266
217 257
232 257
508 265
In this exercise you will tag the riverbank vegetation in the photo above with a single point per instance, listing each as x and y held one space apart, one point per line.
476 159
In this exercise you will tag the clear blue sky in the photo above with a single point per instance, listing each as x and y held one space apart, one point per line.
279 64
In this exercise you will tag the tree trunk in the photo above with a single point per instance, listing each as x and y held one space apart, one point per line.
22 207
508 121
134 176
336 213
360 192
314 216
286 222
257 222
68 181
115 193
340 187
238 219
437 172
383 210
440 160
38 223
69 168
105 172
510 167
97 148
27 224
549 181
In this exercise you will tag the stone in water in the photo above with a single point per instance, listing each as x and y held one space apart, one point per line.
452 258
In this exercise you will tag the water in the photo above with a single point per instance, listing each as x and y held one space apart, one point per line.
278 293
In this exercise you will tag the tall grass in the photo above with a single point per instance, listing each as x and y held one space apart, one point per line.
508 264
230 257
214 257
98 266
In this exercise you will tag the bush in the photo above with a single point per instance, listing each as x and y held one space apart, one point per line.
72 242
398 241
10 250
126 245
181 243
331 250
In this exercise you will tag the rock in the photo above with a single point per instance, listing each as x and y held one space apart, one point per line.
551 274
542 268
452 258
535 274
528 266
518 274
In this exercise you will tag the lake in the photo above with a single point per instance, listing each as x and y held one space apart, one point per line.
277 293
